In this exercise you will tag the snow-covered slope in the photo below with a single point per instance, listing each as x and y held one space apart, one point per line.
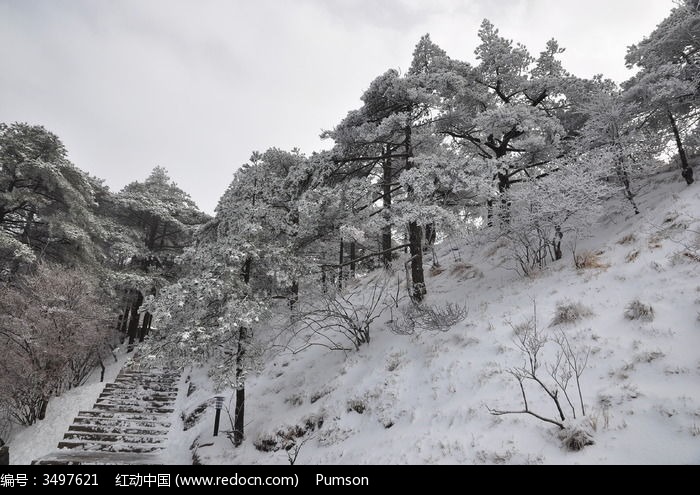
423 398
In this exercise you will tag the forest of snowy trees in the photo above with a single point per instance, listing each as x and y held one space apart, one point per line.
513 149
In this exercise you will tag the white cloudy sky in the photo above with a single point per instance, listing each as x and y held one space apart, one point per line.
197 85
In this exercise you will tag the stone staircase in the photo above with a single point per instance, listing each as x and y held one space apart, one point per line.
128 424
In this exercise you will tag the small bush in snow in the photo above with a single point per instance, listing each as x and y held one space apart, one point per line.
570 313
356 405
575 437
636 310
589 261
628 239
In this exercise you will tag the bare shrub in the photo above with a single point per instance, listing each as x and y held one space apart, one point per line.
552 378
338 318
570 313
432 318
636 310
287 437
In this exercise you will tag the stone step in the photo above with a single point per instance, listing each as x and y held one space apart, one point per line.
113 438
108 446
148 376
139 388
117 429
167 374
121 423
122 416
162 396
135 402
80 457
150 385
132 409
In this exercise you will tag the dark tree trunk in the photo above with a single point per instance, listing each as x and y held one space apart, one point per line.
145 326
42 409
152 234
503 188
341 259
415 236
239 411
124 322
163 235
489 213
386 198
134 321
324 281
294 295
687 170
352 259
556 243
430 236
624 178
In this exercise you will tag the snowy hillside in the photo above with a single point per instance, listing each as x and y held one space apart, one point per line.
424 398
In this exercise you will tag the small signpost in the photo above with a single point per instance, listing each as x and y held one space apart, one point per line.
218 405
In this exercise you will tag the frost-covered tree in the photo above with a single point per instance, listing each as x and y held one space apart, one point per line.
163 218
45 201
509 110
666 87
383 142
610 130
232 274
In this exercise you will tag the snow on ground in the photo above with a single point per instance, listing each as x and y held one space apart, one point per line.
40 439
423 399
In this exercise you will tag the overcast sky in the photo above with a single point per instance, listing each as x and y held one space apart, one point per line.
197 85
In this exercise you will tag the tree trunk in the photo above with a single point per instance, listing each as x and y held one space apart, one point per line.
415 237
556 244
134 321
145 326
352 259
625 180
152 234
503 188
430 236
163 235
687 170
294 296
42 409
239 411
386 198
341 257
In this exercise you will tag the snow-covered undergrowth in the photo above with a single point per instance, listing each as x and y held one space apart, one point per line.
425 398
